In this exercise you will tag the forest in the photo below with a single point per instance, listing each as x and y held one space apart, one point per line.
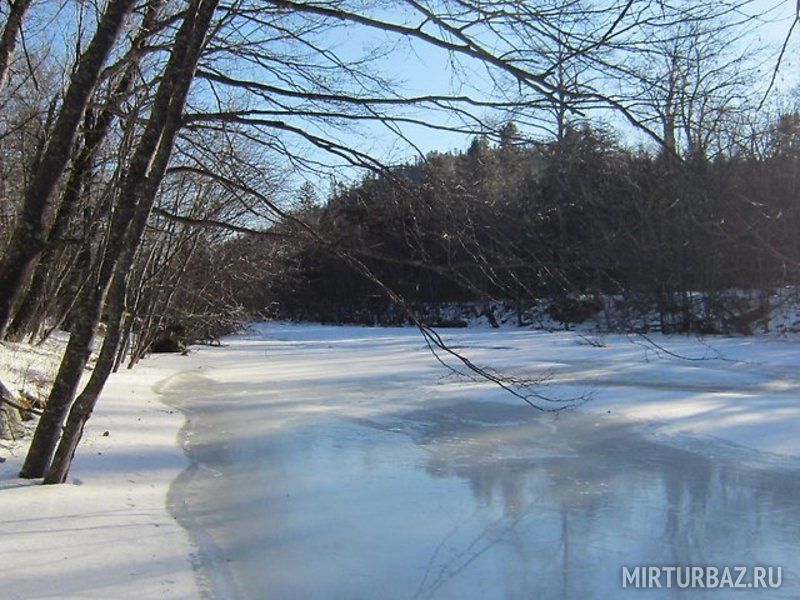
573 221
173 169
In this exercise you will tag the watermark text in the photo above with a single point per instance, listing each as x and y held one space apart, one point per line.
702 577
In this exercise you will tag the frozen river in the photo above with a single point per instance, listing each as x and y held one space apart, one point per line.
342 465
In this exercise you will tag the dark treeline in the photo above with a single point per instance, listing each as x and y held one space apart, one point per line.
571 221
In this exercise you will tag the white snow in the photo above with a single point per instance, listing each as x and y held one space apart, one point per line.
739 390
32 368
744 391
109 534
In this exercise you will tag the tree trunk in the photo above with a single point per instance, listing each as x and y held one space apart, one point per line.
28 238
140 186
84 405
96 132
31 301
73 363
8 39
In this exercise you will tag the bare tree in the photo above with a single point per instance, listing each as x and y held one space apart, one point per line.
29 235
142 180
10 34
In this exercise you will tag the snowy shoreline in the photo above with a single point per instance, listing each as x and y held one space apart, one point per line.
107 533
212 582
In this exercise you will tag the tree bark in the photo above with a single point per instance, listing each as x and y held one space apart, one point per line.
8 39
31 300
84 405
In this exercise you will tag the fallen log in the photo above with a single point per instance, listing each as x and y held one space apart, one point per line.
11 427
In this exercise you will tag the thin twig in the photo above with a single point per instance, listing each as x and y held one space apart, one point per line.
779 61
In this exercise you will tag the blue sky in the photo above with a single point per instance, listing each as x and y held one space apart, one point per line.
431 72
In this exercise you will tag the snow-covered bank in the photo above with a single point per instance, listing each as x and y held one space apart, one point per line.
107 533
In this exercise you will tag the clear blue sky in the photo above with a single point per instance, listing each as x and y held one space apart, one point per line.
432 73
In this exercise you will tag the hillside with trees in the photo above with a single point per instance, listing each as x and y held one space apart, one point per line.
571 222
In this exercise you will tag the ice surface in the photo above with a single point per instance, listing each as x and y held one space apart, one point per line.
338 463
